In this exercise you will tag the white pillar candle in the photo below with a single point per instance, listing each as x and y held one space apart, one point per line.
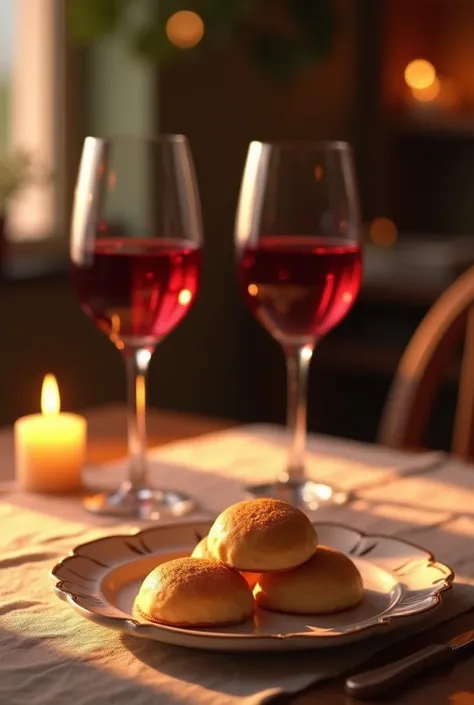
50 447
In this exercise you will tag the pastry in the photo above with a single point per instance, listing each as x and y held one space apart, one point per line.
329 582
201 551
194 592
259 535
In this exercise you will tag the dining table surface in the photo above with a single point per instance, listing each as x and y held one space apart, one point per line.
107 442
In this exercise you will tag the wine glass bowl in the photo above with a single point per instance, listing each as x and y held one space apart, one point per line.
299 268
300 287
137 290
136 241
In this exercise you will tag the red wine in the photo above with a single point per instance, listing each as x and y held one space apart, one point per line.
138 290
299 288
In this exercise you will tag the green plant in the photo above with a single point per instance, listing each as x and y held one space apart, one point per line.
281 36
18 169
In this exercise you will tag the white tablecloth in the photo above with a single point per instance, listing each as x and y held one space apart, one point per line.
50 655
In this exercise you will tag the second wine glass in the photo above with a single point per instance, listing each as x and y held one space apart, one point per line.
136 241
299 266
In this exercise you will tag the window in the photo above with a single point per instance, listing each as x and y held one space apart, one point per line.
6 55
33 58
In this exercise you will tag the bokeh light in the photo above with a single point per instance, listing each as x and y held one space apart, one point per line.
185 29
383 232
420 74
426 95
252 289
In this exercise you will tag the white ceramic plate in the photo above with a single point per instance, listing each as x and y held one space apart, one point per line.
100 580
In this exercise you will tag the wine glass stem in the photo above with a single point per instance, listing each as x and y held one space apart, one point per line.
137 366
297 362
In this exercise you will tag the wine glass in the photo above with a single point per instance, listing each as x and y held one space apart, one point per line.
299 266
136 241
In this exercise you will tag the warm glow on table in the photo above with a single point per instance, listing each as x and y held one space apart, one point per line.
50 447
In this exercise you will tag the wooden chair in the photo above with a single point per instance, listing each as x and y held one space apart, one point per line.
423 367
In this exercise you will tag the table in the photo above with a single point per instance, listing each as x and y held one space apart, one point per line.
107 442
107 430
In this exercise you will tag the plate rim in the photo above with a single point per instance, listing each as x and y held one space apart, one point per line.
135 627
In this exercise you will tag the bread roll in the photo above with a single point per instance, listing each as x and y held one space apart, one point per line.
194 592
329 582
259 535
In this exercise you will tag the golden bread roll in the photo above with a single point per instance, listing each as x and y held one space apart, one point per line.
259 535
329 582
194 592
201 551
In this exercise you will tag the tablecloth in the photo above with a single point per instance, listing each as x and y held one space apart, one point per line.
50 655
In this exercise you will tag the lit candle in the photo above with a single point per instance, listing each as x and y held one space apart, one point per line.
50 447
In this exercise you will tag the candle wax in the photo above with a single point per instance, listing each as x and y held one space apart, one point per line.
50 452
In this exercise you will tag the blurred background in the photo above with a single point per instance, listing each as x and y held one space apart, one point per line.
394 77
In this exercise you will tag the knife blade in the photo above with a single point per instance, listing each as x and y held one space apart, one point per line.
372 684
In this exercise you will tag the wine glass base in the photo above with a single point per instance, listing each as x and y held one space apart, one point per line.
304 494
142 503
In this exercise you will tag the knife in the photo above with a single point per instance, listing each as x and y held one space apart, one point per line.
372 684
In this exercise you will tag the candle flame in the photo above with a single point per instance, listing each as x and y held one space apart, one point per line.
50 399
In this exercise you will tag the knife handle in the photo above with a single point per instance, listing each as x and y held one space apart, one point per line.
371 684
